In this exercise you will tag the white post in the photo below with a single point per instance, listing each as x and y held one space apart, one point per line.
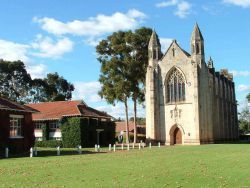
150 145
109 147
35 151
122 146
143 145
6 152
159 144
133 145
95 147
98 148
139 145
31 152
58 150
80 149
128 147
114 147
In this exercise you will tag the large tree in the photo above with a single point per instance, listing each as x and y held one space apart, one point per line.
113 55
123 57
138 42
58 88
15 82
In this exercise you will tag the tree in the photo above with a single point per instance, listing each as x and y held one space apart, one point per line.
124 59
57 88
138 42
248 97
15 82
39 91
113 55
244 119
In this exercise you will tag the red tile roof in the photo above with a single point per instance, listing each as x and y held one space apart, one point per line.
10 105
59 109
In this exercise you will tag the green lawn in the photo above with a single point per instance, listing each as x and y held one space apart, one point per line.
222 165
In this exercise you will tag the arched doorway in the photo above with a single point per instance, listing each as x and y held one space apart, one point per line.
177 136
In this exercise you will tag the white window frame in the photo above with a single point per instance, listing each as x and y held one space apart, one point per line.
39 124
16 125
53 125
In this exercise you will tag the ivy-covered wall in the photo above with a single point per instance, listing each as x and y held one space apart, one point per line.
81 131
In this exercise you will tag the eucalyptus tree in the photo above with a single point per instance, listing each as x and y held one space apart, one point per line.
123 57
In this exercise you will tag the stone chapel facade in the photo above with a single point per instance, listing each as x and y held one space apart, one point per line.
187 101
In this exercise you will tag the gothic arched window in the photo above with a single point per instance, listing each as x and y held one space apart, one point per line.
175 86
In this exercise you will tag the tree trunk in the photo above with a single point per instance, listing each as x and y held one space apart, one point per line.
135 120
127 127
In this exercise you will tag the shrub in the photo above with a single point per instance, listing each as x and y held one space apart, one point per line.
49 143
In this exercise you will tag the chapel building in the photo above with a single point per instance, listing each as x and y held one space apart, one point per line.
187 101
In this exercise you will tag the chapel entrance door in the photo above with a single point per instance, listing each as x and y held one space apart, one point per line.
177 136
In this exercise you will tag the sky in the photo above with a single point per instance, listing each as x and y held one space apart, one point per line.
61 35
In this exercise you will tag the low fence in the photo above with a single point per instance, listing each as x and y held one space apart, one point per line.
45 152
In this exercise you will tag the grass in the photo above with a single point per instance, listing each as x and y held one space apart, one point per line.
220 165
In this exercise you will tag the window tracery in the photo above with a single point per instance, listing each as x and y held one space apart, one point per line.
175 87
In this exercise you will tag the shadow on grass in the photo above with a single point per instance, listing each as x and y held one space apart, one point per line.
50 153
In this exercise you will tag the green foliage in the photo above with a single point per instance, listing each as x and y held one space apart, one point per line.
72 130
58 88
17 85
139 120
248 97
76 131
45 131
14 80
49 143
123 57
244 121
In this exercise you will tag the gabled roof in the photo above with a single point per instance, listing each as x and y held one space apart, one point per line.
174 42
6 104
59 109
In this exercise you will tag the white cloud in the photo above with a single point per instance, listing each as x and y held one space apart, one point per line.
183 8
36 70
243 87
165 43
167 3
240 73
88 91
241 3
48 48
94 26
12 51
92 41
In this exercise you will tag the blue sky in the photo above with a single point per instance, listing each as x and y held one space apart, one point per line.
60 36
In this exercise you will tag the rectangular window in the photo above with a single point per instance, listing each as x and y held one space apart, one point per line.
53 125
39 125
15 125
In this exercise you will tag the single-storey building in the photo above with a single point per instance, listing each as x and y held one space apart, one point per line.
52 114
120 129
16 126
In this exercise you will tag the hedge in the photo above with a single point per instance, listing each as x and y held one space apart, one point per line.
49 143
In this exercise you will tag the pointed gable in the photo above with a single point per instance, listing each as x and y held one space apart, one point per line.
175 50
